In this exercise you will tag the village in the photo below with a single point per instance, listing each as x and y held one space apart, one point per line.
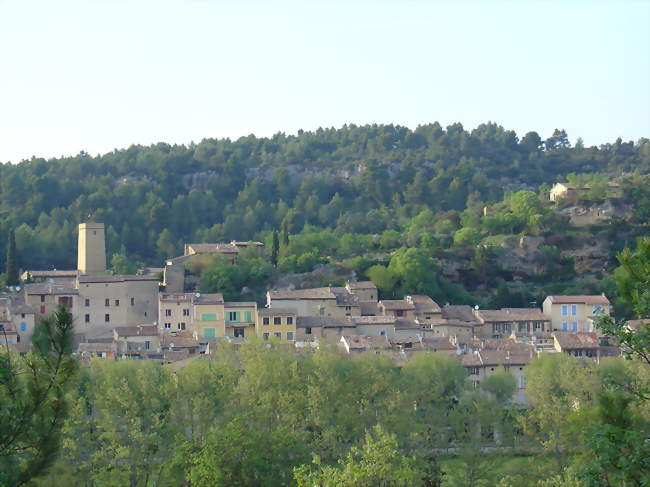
142 317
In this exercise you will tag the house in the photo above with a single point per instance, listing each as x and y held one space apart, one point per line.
565 190
208 316
53 276
175 312
440 328
240 319
426 309
98 302
103 349
579 344
575 313
277 323
365 291
399 308
484 363
228 251
501 323
183 341
129 340
15 312
356 344
8 334
438 344
316 328
324 301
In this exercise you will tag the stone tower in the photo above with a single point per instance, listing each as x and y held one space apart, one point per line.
91 256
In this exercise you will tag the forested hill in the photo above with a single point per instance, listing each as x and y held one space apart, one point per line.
356 179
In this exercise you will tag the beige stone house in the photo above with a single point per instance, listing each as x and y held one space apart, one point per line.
356 344
130 340
399 308
578 344
576 313
503 322
365 291
175 312
426 309
328 301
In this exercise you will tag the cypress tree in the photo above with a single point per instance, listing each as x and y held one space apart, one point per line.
285 234
275 249
11 265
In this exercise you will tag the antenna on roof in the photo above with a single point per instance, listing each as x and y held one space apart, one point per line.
198 295
476 307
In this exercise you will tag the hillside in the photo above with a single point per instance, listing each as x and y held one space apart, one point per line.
352 197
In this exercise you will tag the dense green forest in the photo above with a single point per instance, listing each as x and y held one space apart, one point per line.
352 196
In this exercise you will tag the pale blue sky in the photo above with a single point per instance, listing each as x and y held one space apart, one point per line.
96 75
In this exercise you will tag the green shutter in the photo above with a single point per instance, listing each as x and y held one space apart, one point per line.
247 316
209 317
208 332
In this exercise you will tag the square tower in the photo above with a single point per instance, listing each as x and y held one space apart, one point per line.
91 256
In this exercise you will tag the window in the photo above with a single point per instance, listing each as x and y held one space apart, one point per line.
522 382
565 326
399 312
372 296
277 320
181 326
382 333
107 318
308 330
23 326
87 318
574 309
575 326
107 302
42 298
538 325
278 334
265 320
168 326
87 303
565 310
247 317
147 345
473 370
321 311
186 312
117 302
265 336
168 312
208 316
232 316
132 301
208 332
348 308
289 335
239 333
22 315
289 320
598 310
42 309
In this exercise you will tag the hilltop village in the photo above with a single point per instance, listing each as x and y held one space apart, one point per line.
143 317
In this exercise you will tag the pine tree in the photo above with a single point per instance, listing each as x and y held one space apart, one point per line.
11 265
285 234
275 249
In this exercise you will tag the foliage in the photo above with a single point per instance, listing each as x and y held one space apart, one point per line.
33 392
11 265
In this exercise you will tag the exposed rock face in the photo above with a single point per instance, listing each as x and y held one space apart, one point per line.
593 214
322 275
592 256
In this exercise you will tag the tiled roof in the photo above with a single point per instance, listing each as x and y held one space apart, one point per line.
181 340
121 278
208 248
511 314
313 293
45 274
345 297
373 320
138 330
597 299
357 342
460 313
362 285
94 347
249 243
403 323
424 304
240 304
494 358
437 343
580 340
212 298
175 296
396 304
49 288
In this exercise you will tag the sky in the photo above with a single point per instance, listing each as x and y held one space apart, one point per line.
95 75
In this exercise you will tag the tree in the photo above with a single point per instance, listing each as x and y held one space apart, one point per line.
33 394
502 385
11 266
377 463
275 248
121 265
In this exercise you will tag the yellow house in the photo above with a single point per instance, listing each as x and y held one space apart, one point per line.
277 323
209 316
240 319
575 313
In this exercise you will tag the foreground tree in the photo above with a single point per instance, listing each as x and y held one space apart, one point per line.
33 396
11 266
